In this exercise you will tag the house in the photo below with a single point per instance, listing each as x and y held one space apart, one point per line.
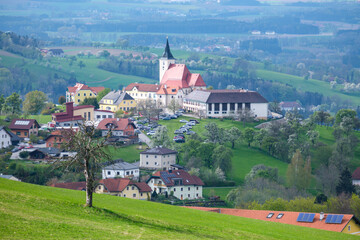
102 114
124 187
226 103
86 111
10 177
290 106
120 127
117 100
179 182
42 153
142 91
121 169
56 52
5 138
15 140
81 91
356 177
345 223
67 119
23 128
81 186
55 139
158 158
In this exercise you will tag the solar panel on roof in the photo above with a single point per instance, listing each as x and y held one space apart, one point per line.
306 217
331 218
19 122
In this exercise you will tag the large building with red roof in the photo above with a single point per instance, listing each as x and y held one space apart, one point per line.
345 223
80 91
179 182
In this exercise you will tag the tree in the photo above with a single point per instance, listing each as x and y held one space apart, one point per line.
34 102
222 158
24 154
89 153
105 54
149 109
161 137
90 101
61 100
213 133
299 171
174 106
12 104
275 107
102 94
81 64
345 183
344 113
232 135
320 117
2 101
244 115
249 134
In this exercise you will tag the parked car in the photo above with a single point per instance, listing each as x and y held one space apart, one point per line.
137 131
173 116
177 131
190 132
180 140
191 123
15 150
166 118
183 121
194 120
151 133
30 146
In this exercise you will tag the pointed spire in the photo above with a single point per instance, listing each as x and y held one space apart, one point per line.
167 54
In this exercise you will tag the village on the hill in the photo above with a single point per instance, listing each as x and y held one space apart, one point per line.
158 176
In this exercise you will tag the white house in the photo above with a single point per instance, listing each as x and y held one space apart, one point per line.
5 138
121 169
179 182
158 158
226 103
356 177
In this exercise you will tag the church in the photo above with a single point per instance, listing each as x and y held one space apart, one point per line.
175 82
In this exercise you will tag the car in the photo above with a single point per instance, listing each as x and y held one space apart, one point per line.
30 146
180 135
173 116
166 118
177 131
190 132
180 140
137 131
194 120
21 147
41 141
191 124
151 133
183 121
15 150
187 126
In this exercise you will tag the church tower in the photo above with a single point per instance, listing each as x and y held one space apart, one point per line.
165 61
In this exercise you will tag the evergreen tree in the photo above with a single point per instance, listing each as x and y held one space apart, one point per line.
345 184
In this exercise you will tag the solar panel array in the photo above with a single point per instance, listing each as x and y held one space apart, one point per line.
337 219
167 177
306 217
19 122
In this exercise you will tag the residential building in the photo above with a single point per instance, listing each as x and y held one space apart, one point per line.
345 223
86 111
158 158
179 182
117 100
10 177
290 106
56 52
23 128
124 187
142 91
81 91
102 114
121 169
55 139
5 138
120 127
226 103
356 177
67 119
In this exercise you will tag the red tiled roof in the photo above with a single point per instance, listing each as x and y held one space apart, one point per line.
83 106
143 87
97 89
143 187
71 185
287 218
356 174
115 184
120 124
187 179
180 76
168 90
107 111
23 124
69 119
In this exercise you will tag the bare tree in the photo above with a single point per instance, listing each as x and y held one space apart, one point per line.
90 151
244 115
149 109
174 105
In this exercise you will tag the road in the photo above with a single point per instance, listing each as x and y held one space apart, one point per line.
144 138
15 155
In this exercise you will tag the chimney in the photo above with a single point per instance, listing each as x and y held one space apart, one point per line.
70 109
322 216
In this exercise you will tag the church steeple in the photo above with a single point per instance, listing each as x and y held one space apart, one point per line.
165 61
167 53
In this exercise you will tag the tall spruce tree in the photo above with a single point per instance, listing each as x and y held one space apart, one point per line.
345 184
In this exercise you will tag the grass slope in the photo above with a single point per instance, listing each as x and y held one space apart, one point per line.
37 212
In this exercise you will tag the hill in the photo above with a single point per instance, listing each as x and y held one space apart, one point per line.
37 212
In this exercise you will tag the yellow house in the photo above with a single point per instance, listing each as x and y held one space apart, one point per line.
124 187
81 91
117 100
352 227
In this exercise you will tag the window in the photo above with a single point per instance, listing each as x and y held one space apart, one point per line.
98 116
104 116
155 156
124 195
84 94
197 195
79 94
280 215
270 215
197 188
174 189
349 228
132 172
117 173
25 133
90 94
147 156
247 105
188 195
160 182
78 100
141 194
156 163
127 172
217 107
109 116
224 106
181 189
132 188
147 163
109 173
127 188
89 115
188 188
18 133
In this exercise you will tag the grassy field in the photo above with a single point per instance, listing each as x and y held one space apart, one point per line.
37 212
222 192
129 153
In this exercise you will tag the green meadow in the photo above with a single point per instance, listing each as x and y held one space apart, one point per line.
37 212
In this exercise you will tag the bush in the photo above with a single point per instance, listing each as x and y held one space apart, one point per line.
24 154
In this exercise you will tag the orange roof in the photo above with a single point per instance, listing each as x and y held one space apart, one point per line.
287 218
143 87
119 124
168 90
180 76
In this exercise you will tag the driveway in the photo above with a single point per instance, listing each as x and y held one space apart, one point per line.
144 138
